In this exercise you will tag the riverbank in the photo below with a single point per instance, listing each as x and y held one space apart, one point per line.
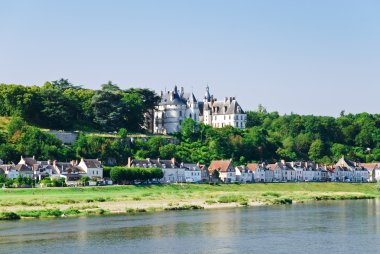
62 202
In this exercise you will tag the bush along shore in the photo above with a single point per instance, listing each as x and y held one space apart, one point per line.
69 202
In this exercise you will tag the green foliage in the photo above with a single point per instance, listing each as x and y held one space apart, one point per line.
62 105
84 180
117 175
121 174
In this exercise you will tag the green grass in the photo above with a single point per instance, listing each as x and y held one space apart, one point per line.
25 202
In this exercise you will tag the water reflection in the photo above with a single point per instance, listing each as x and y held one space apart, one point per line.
337 227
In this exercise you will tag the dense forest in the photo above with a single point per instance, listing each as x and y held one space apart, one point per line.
268 137
62 105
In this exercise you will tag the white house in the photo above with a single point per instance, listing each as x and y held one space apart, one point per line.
173 173
348 171
244 174
92 167
10 171
193 172
373 170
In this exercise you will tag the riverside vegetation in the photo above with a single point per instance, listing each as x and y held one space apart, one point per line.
55 202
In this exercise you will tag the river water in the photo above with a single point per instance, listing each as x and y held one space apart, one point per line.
323 227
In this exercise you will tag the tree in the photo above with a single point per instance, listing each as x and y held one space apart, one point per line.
316 151
168 151
117 175
108 108
84 180
215 175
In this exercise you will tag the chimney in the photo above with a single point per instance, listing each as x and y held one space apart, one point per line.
173 161
49 162
129 162
54 162
148 159
33 157
182 91
162 93
226 99
283 161
292 163
158 159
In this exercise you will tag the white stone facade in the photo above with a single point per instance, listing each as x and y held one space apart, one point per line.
176 106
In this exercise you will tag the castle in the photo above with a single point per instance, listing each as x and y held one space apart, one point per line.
176 106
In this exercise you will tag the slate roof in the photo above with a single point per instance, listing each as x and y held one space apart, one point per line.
23 168
92 163
30 161
226 107
176 98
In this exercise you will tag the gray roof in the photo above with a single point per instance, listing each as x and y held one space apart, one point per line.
226 107
175 98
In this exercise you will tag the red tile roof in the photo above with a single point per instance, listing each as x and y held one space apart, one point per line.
221 165
252 166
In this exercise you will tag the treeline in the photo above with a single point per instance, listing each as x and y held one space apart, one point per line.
62 105
121 175
269 136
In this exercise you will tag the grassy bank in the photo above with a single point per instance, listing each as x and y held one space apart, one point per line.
55 202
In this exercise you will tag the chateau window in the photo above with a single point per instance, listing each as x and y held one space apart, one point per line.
180 113
237 124
195 116
190 115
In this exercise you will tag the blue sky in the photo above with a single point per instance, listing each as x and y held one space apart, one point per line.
307 57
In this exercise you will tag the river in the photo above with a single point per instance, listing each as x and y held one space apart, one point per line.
323 227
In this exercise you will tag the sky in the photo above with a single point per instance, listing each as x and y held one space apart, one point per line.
301 56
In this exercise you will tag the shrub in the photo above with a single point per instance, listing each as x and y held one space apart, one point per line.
9 216
271 194
232 199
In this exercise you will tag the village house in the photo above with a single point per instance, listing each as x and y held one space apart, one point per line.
193 172
261 173
225 168
348 171
244 174
10 170
27 166
69 171
92 167
373 170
